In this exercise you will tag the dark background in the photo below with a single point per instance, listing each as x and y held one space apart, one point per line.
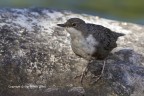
123 10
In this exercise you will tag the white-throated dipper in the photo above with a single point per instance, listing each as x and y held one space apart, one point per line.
90 41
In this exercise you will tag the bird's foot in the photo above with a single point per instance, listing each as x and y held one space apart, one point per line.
77 76
82 75
97 79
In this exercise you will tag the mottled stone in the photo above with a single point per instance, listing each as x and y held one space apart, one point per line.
33 50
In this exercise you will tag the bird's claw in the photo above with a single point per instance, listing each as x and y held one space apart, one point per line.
97 79
82 75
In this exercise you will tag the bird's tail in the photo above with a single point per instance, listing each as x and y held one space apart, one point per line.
120 34
116 35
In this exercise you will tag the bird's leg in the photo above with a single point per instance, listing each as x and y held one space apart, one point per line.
99 76
84 72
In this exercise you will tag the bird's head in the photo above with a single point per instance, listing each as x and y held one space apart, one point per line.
74 25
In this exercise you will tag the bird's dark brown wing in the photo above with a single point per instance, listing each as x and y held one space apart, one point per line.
106 38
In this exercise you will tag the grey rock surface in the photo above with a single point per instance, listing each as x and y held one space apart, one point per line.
33 50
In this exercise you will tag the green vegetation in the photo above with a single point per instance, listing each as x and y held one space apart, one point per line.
123 8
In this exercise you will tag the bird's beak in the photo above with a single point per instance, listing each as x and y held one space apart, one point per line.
61 25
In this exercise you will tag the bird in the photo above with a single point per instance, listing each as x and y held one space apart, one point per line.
90 41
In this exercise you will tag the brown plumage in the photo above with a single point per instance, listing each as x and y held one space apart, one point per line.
106 38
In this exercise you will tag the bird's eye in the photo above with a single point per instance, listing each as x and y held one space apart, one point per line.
73 24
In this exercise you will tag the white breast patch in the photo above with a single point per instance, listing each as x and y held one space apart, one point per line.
91 43
91 40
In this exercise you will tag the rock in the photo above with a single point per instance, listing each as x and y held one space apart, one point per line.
51 89
77 91
33 50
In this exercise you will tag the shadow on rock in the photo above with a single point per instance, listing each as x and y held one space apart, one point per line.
123 74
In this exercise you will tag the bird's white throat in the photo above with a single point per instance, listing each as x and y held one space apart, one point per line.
74 32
